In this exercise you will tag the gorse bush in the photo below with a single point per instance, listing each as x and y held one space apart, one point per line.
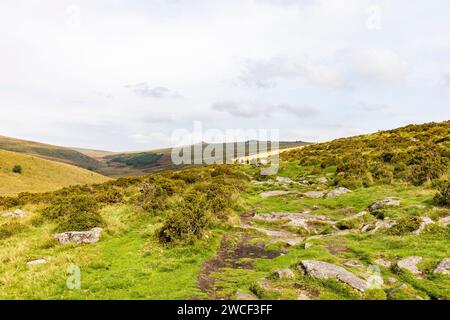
11 228
416 154
17 169
442 197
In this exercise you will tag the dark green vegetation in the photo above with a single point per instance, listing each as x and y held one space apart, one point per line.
17 168
200 232
136 160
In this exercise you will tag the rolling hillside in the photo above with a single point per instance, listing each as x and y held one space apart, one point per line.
40 175
50 152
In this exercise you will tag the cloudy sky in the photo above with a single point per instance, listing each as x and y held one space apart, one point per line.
124 75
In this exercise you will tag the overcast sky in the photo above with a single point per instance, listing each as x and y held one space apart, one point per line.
123 75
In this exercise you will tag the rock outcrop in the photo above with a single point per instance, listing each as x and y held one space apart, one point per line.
425 221
15 214
79 236
389 201
325 270
337 192
383 263
410 264
314 194
443 267
274 193
283 274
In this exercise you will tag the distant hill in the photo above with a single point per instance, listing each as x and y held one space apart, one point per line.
50 152
40 175
139 163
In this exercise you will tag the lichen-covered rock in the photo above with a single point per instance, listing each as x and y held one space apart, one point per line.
283 274
444 221
443 267
274 193
325 270
337 192
314 194
410 264
372 228
244 296
79 236
353 264
37 261
425 221
15 214
389 201
383 263
322 180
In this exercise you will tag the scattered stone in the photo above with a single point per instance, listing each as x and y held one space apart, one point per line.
444 221
410 264
269 182
307 246
360 214
244 296
424 223
274 193
37 261
15 214
299 219
322 180
284 180
303 296
325 270
443 267
383 263
314 194
389 201
391 280
284 274
372 228
337 192
79 236
353 264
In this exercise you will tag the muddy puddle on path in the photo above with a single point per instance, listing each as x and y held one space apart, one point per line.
236 251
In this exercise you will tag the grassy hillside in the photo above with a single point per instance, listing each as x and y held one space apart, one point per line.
139 163
50 152
226 232
39 175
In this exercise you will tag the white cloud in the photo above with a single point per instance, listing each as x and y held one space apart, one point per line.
254 110
380 64
144 90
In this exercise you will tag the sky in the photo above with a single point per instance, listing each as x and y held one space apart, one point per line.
125 75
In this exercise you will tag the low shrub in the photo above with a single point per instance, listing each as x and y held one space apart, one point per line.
442 197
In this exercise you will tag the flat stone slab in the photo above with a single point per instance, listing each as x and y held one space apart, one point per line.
337 192
425 221
274 193
383 263
299 219
443 267
244 296
37 261
79 236
444 221
284 180
15 214
325 270
410 264
388 201
314 194
284 274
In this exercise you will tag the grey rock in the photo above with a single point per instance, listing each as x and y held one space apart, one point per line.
325 270
337 192
37 261
388 201
307 246
360 214
383 263
244 296
372 228
284 274
298 219
79 236
284 180
425 221
410 264
15 214
443 267
391 280
314 194
353 264
274 193
444 221
322 180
